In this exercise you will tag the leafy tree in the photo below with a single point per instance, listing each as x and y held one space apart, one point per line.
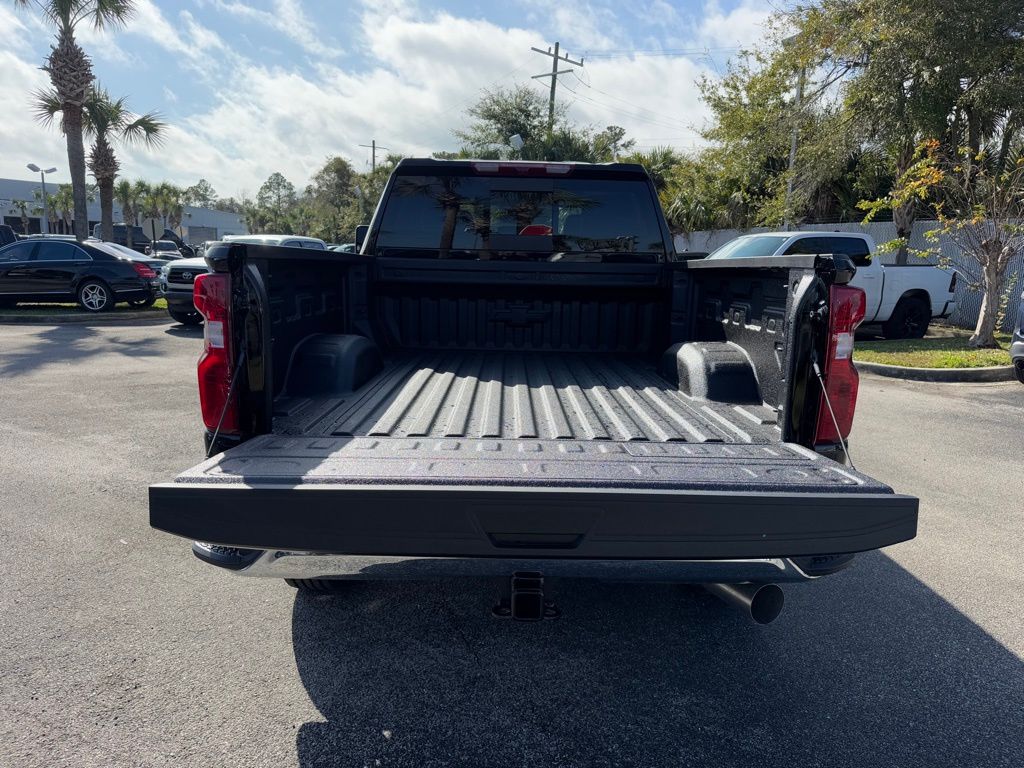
978 201
229 204
201 194
71 77
913 70
275 197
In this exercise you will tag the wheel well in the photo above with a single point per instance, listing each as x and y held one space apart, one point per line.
917 293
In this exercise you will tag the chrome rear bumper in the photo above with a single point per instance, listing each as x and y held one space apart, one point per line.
302 565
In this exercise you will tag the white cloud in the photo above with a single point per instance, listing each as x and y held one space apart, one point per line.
743 26
287 18
420 71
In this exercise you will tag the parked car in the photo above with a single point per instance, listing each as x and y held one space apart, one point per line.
1017 343
552 393
287 241
164 249
52 270
7 235
130 253
177 279
903 299
139 238
345 248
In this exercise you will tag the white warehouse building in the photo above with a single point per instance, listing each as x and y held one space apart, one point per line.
197 224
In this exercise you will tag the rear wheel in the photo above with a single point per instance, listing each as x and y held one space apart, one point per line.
186 318
1018 368
909 320
320 586
95 296
142 303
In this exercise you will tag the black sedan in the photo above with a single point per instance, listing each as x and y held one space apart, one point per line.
56 271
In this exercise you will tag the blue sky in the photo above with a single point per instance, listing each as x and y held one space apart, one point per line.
249 88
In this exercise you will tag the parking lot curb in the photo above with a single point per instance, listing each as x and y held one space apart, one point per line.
152 317
950 375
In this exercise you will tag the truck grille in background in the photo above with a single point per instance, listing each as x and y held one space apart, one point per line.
184 276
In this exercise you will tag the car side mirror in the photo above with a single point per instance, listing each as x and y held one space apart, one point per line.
361 231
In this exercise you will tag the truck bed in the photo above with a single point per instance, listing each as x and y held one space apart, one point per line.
509 395
526 419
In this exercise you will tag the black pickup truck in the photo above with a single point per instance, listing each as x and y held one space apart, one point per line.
517 376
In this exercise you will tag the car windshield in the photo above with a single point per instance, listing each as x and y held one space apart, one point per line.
560 219
749 245
164 245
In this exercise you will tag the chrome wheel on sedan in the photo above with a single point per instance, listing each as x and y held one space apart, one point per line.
94 296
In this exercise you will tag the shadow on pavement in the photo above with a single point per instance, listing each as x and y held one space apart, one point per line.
869 667
185 331
71 344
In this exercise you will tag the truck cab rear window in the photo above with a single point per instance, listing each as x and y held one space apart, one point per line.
520 219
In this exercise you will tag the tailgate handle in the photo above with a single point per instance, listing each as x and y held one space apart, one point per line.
535 540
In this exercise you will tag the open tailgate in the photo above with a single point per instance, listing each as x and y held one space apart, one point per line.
537 498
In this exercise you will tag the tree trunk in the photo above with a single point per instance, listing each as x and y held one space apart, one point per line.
903 217
106 185
128 213
992 281
72 122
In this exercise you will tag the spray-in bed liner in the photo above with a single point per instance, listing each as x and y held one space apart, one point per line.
488 418
544 395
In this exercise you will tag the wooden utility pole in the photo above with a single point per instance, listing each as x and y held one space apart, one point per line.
372 146
553 74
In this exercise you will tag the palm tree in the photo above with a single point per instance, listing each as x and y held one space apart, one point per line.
62 202
129 195
23 211
45 207
70 72
106 119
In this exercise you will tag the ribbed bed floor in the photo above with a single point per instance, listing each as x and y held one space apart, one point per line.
524 395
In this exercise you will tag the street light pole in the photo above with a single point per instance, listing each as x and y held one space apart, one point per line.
46 201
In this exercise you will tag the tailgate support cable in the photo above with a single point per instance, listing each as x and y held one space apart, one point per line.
824 394
227 401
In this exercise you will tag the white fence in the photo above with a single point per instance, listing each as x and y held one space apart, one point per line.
968 301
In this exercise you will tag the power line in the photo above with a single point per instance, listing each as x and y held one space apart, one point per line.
657 115
553 74
624 53
627 113
372 146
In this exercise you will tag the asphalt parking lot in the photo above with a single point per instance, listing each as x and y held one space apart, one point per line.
120 649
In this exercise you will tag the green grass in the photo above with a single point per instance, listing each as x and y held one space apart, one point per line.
943 348
45 310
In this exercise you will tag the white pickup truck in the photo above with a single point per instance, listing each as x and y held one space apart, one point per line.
903 299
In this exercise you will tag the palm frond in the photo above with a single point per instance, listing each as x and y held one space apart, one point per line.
46 105
145 129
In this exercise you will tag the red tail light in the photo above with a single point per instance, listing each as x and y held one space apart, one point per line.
846 312
143 270
212 297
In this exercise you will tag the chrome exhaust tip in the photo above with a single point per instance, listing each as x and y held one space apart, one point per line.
762 602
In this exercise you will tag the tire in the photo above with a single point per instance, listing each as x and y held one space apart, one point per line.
320 586
186 318
1018 369
909 320
95 296
142 303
